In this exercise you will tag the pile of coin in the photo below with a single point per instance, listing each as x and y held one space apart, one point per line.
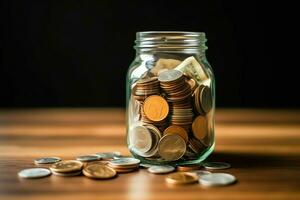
109 164
173 108
146 87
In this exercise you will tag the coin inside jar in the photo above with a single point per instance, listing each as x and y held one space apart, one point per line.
170 75
171 147
141 139
156 108
177 130
206 99
203 99
199 127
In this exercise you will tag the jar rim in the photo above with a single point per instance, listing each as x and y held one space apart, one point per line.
170 40
171 32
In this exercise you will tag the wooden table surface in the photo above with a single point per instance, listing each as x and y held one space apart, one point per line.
263 147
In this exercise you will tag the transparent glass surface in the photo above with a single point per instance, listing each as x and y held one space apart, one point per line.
170 99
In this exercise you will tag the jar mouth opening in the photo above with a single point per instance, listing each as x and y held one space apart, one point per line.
169 40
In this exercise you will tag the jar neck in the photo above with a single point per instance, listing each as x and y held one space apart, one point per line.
153 42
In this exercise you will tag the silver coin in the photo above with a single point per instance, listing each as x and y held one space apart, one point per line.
108 155
67 174
47 160
124 161
171 147
145 165
141 139
169 75
118 157
161 169
201 172
217 179
216 165
87 158
34 173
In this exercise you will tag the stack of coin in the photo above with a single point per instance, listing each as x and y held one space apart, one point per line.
181 116
145 87
124 165
178 94
67 168
174 84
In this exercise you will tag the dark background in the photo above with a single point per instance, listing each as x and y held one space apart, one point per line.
76 53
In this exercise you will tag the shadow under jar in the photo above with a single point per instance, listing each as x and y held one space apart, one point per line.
170 99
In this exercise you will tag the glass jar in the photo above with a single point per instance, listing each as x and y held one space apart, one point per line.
170 99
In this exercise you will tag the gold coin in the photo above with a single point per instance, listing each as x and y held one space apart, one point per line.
66 166
185 168
206 99
192 83
177 130
199 127
101 162
156 108
99 171
171 147
182 178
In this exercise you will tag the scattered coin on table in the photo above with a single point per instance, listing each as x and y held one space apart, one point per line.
145 165
185 168
114 163
217 179
66 166
161 169
34 173
47 160
88 158
201 172
99 171
182 178
108 155
216 165
67 174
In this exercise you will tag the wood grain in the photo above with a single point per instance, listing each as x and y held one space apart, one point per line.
263 147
